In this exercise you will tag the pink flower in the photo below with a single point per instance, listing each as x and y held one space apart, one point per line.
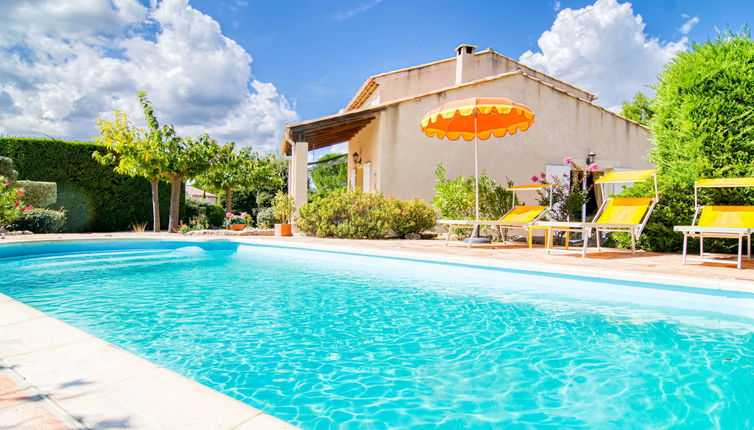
542 175
592 167
229 215
16 203
30 207
568 160
21 193
244 214
534 178
7 183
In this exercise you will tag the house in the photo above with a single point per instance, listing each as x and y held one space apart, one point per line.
200 196
389 153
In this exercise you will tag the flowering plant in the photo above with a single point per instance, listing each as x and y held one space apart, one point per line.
233 219
569 193
11 202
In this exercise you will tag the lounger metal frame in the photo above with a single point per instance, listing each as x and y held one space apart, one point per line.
477 224
585 228
714 232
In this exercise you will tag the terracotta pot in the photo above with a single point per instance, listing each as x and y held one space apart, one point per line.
237 227
283 230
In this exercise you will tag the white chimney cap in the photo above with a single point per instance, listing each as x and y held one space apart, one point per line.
465 49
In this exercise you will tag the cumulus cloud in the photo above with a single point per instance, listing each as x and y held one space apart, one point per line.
603 48
63 64
689 24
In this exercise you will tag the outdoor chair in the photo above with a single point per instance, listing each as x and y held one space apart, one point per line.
617 214
521 217
722 222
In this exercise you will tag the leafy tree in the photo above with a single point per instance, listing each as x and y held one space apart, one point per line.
178 158
638 109
242 169
130 149
330 178
703 127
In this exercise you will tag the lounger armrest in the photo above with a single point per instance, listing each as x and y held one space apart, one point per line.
697 229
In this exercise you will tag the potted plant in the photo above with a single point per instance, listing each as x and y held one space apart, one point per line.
235 222
283 208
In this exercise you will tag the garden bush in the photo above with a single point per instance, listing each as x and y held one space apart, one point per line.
359 215
455 198
39 194
701 128
6 169
266 218
95 198
215 215
40 221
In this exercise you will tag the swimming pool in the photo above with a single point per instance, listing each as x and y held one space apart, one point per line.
329 340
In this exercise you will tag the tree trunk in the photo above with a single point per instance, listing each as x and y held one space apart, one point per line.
228 199
155 205
176 181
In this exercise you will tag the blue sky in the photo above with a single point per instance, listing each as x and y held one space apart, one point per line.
318 58
242 69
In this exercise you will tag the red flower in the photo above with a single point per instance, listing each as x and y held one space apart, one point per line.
542 175
21 193
534 178
16 204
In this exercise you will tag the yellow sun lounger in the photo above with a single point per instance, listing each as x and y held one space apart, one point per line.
518 217
619 214
726 222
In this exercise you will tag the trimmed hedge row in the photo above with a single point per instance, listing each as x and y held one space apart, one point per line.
94 197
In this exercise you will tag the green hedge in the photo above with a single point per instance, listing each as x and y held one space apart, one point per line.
94 197
39 194
40 221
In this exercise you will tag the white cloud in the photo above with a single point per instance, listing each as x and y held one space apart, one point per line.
603 48
342 16
689 24
58 75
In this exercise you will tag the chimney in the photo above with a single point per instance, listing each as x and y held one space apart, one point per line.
464 63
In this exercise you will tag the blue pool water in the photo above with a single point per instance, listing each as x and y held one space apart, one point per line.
328 340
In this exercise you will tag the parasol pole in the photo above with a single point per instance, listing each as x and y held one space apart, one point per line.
476 165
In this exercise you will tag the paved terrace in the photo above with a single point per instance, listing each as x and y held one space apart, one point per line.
54 376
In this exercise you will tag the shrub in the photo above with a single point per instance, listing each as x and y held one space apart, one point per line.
455 198
215 215
359 215
6 169
701 128
266 218
414 216
11 203
39 194
40 221
95 198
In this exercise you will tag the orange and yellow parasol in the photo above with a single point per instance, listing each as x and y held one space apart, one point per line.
477 118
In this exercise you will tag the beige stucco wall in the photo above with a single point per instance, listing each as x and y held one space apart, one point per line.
366 143
413 82
565 126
